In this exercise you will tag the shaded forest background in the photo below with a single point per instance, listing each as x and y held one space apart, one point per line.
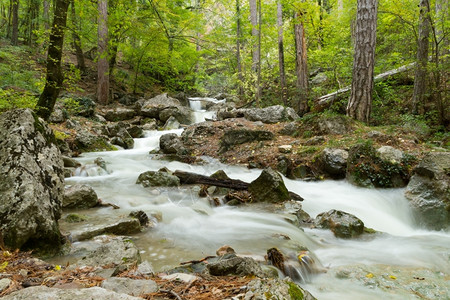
256 52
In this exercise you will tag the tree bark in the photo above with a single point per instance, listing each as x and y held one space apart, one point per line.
238 50
102 64
15 23
54 77
46 14
301 64
283 89
76 40
360 103
420 75
256 49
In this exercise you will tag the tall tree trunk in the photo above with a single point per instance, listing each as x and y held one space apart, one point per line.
420 75
46 14
238 50
258 80
360 102
54 78
15 23
9 26
103 66
81 65
254 9
301 64
281 53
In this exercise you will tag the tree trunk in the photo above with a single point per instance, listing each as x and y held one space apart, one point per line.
420 75
254 9
238 49
103 65
76 40
46 14
281 53
258 80
301 64
360 103
15 23
54 78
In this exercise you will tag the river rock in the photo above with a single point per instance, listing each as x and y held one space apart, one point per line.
334 162
132 287
31 182
119 114
182 114
117 251
171 124
271 114
366 168
4 283
152 107
428 191
46 293
123 139
235 265
122 226
157 178
79 196
136 131
70 162
58 116
290 129
233 137
269 187
342 224
86 141
170 143
390 154
274 288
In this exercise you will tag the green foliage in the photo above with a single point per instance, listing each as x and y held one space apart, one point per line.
294 291
10 99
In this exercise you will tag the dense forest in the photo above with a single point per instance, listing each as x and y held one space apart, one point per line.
261 53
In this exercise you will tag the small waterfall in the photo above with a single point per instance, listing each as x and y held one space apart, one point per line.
198 105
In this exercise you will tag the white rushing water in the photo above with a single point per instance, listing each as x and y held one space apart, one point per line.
191 229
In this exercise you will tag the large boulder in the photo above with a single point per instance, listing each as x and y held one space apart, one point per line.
429 191
182 114
152 107
79 196
170 143
31 182
86 141
119 114
269 187
366 167
46 293
271 114
342 224
240 136
333 162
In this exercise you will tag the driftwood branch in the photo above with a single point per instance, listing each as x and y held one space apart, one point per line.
235 184
324 100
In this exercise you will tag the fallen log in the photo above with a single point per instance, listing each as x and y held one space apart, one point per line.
235 184
323 101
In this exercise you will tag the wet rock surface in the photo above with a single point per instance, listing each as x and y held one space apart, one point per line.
79 196
342 224
269 187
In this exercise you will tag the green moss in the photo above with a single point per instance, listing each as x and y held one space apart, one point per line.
60 135
295 292
369 230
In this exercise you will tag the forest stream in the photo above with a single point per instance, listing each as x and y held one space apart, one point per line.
400 261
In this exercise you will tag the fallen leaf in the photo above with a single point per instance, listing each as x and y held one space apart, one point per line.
370 275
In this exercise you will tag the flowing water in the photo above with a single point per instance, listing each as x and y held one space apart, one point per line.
366 268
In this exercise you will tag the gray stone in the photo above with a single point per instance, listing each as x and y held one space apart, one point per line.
4 283
86 141
290 129
152 107
236 265
157 178
144 269
428 191
70 162
183 277
259 289
58 116
31 182
342 224
116 251
46 293
171 124
119 114
334 162
240 136
319 78
315 140
390 154
271 114
269 187
133 287
136 131
79 196
182 114
119 227
170 143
